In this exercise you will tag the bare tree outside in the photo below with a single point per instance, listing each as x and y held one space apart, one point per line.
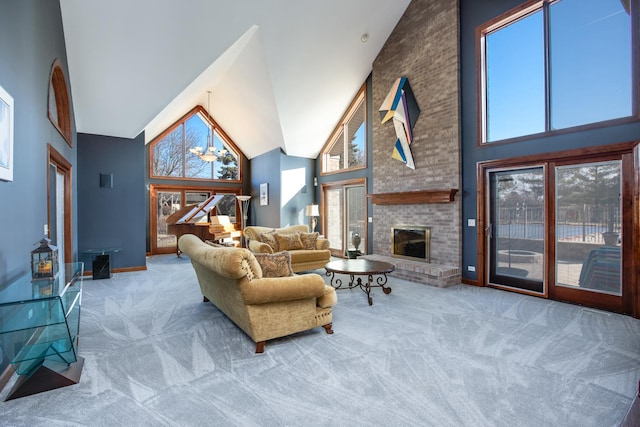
167 155
172 158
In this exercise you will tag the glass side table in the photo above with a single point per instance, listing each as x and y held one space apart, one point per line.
39 327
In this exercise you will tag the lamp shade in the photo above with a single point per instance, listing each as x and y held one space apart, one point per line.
312 210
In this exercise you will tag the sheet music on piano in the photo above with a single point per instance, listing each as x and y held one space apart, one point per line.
197 211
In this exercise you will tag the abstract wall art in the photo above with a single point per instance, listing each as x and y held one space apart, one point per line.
401 106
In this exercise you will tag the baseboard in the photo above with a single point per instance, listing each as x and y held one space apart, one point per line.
127 269
469 282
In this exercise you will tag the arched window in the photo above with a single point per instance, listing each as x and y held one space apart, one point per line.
59 109
173 153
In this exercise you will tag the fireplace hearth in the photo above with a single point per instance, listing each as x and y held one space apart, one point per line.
411 242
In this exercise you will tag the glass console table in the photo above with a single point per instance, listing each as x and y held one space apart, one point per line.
39 327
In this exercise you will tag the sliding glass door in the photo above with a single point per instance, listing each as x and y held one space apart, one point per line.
588 229
345 217
517 229
556 229
333 218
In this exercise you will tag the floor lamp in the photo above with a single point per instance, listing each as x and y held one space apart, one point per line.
244 207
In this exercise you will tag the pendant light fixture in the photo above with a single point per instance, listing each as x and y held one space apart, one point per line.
208 155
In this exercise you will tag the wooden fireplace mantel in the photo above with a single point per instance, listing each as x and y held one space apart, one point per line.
413 197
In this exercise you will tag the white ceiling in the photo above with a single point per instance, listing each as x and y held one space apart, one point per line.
281 72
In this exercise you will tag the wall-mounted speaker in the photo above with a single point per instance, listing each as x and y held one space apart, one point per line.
106 180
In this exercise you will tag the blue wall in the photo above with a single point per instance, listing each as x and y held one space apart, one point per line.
472 14
265 169
297 187
31 38
112 217
289 178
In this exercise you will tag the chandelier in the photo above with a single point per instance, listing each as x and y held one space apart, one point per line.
209 154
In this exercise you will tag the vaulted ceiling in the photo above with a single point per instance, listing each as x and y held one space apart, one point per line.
281 73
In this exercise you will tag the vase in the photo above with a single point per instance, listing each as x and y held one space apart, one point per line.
355 240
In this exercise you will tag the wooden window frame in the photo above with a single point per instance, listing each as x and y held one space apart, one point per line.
58 88
519 12
215 128
361 97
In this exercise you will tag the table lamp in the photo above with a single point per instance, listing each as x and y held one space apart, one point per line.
314 212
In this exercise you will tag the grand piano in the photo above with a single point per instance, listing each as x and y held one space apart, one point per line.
195 219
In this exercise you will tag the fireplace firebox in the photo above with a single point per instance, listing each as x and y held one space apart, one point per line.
411 242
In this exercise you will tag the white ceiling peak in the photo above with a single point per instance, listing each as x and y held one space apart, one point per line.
281 73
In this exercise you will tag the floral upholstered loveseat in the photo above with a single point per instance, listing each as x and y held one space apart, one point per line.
308 251
265 308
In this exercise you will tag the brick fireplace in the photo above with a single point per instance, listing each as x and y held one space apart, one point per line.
424 48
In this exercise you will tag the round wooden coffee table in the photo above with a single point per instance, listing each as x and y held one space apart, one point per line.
360 267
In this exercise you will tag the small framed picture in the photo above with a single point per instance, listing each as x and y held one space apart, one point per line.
264 194
6 135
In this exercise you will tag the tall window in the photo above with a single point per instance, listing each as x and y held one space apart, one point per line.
556 65
171 155
346 147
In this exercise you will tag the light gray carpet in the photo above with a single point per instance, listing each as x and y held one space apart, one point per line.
156 355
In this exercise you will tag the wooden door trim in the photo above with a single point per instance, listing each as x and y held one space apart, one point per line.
323 209
629 154
64 166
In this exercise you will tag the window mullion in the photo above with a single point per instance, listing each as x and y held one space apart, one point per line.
184 150
547 66
635 56
345 146
484 93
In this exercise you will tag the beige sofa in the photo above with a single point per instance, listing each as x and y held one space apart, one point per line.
302 259
263 307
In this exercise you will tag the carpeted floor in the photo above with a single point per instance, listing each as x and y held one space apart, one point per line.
156 355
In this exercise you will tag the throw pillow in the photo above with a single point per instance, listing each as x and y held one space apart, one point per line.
270 239
275 265
309 240
289 242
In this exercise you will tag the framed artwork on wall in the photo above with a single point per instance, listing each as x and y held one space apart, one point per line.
6 135
264 194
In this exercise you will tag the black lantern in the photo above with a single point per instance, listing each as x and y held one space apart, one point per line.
44 260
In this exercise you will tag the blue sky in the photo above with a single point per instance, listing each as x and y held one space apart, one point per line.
590 44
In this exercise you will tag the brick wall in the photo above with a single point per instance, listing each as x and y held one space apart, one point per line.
424 48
